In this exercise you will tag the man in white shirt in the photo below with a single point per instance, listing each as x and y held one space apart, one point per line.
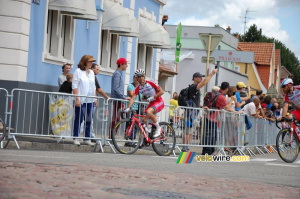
251 108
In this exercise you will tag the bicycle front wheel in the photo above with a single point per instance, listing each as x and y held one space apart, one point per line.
3 131
124 141
287 145
167 141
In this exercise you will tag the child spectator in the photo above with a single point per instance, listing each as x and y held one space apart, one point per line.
66 87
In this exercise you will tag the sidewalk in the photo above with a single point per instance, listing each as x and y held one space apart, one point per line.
51 144
48 143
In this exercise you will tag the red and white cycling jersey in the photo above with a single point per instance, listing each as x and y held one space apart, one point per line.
149 90
294 97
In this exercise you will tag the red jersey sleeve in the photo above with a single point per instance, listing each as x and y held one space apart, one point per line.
137 90
153 84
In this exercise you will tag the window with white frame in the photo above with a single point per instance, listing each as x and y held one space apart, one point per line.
60 38
110 47
145 59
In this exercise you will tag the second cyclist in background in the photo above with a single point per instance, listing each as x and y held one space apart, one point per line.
152 92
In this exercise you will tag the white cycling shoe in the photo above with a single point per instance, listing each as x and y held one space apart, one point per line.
157 132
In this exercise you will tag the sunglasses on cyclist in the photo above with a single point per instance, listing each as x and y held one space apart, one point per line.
139 76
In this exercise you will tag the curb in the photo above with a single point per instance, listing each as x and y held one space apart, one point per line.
30 145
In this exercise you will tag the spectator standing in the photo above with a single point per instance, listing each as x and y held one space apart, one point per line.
211 120
270 114
173 102
259 93
251 109
95 68
84 84
117 90
215 89
66 87
272 101
265 104
117 81
230 130
194 101
231 99
240 86
66 68
277 113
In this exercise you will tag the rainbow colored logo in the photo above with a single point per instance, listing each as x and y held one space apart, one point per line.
185 157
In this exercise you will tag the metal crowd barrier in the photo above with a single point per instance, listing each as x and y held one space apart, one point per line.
51 114
4 98
209 129
222 130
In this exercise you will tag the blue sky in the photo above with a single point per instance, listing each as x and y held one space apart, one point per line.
277 18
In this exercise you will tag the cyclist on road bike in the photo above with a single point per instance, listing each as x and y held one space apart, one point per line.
152 92
292 94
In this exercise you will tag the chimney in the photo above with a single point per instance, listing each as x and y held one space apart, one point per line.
228 29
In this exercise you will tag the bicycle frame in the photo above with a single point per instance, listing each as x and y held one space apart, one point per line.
135 119
292 130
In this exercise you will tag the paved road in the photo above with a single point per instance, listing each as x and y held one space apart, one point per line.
48 174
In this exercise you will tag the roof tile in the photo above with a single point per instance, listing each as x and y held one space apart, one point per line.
262 51
264 74
166 69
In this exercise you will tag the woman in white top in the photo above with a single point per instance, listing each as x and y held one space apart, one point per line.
231 121
84 84
66 68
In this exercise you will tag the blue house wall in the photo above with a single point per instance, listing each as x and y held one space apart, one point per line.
85 42
151 6
37 71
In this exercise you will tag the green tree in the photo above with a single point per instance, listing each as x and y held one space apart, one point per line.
253 34
288 58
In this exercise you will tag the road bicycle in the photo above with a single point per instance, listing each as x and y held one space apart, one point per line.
3 131
129 135
287 141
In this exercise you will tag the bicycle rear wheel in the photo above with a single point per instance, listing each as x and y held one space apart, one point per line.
123 143
287 145
166 144
3 132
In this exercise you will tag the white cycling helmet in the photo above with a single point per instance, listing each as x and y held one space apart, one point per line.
139 72
286 81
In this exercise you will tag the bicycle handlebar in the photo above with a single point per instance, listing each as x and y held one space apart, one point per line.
285 120
132 112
